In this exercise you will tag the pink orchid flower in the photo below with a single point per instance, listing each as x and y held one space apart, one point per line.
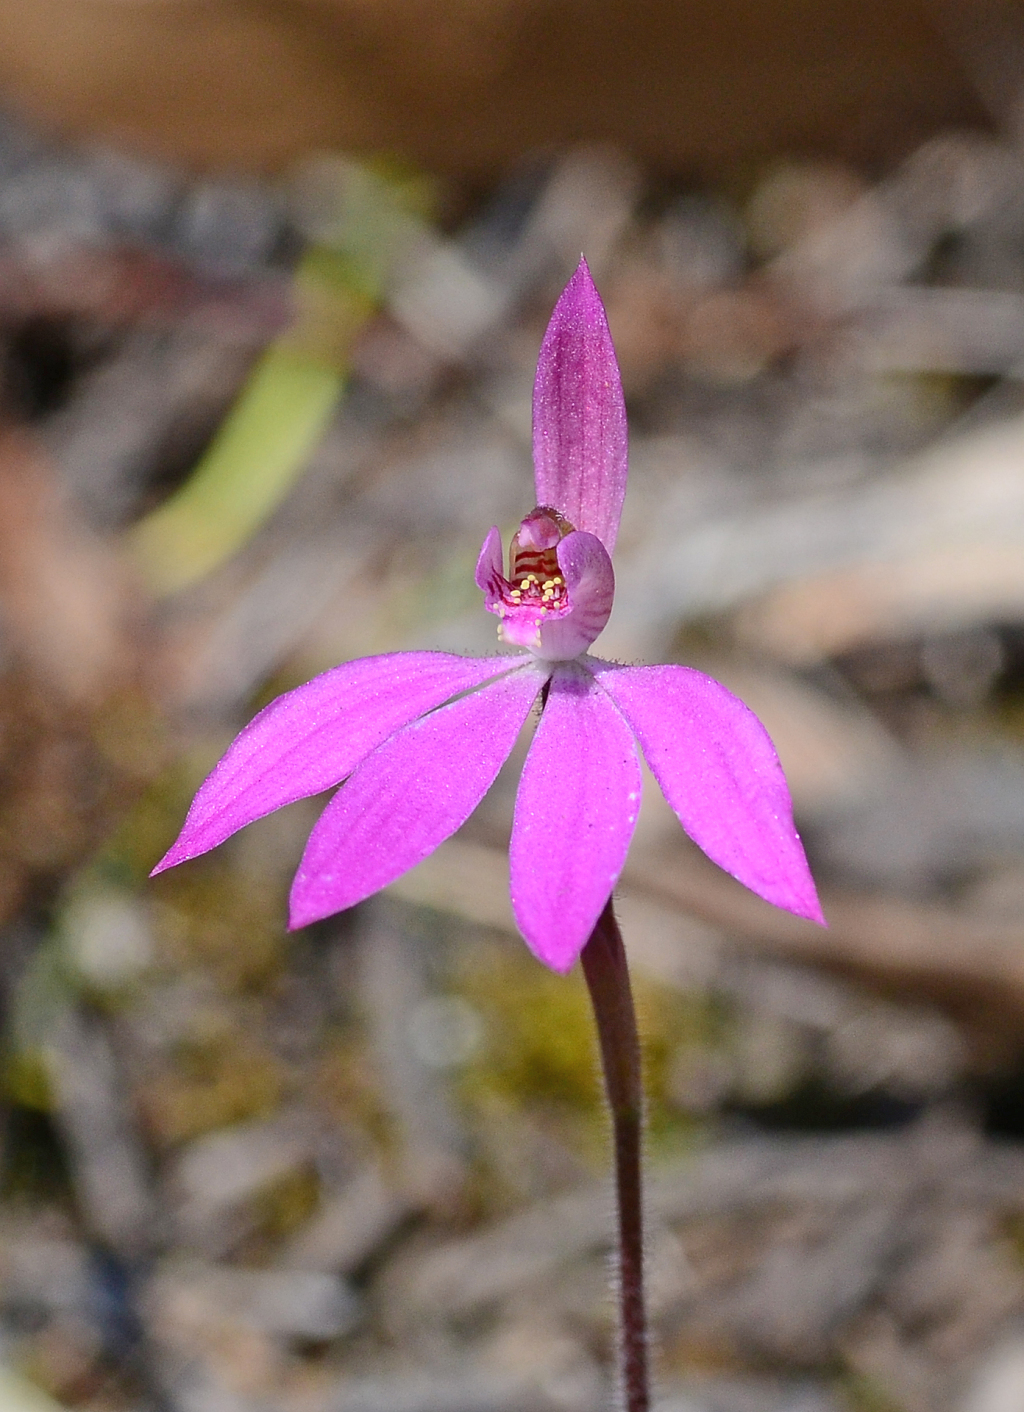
418 737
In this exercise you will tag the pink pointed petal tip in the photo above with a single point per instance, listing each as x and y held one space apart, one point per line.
313 737
409 796
575 813
719 771
579 416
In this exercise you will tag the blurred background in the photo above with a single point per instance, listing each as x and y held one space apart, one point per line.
273 277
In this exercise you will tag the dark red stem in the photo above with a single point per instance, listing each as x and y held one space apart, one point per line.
604 965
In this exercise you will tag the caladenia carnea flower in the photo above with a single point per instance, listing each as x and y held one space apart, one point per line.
417 738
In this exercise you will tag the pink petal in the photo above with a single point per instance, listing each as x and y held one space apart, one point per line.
310 738
579 417
410 795
490 570
719 771
575 813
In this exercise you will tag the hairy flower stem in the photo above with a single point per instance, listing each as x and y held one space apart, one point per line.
604 965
